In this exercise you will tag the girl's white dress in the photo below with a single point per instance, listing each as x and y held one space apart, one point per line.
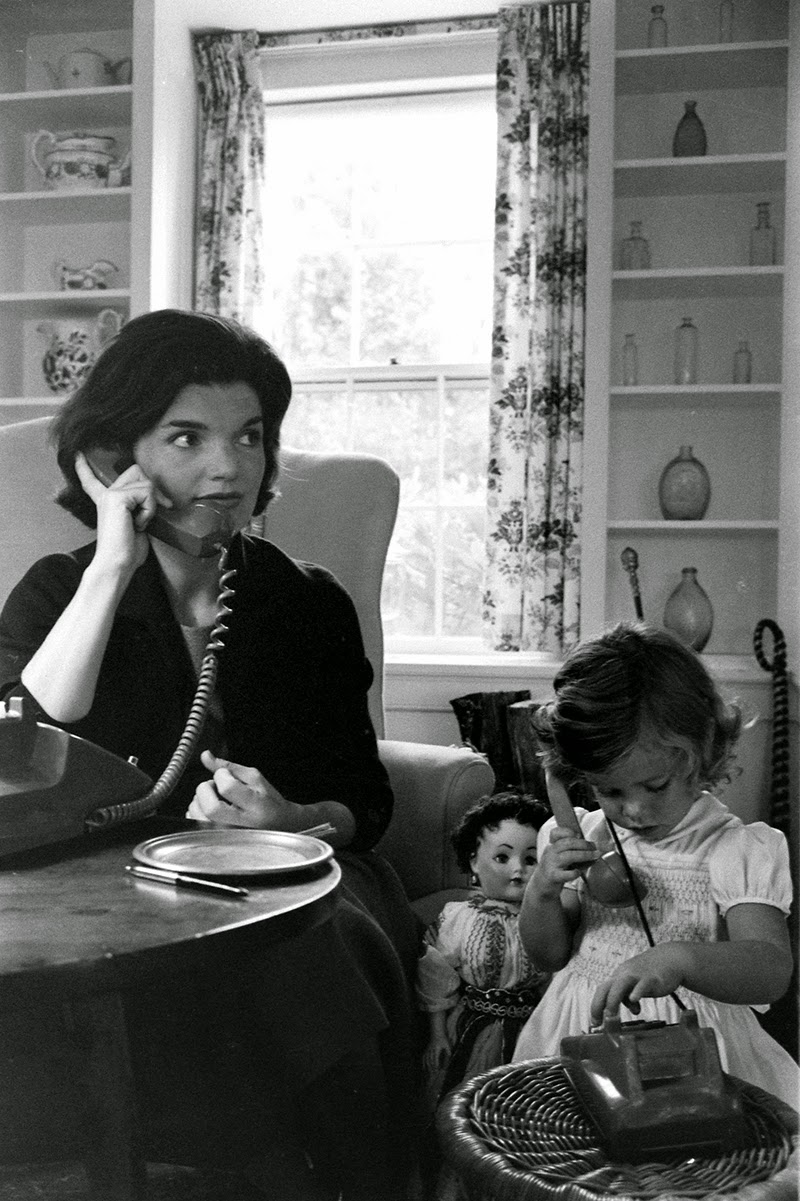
476 943
709 862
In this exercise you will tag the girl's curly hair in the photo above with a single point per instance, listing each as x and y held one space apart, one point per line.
487 814
635 683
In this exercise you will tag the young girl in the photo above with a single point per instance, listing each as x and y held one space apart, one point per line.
474 978
638 717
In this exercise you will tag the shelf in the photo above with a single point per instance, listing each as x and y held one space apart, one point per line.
64 206
692 393
702 68
693 527
37 304
68 108
762 173
698 281
30 402
66 18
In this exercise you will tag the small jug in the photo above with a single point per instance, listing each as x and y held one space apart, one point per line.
73 347
87 68
76 161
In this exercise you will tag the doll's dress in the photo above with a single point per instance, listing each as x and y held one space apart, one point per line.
474 966
709 862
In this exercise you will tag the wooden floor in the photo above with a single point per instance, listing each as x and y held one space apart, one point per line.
67 1182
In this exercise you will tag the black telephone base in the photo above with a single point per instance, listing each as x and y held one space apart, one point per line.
51 781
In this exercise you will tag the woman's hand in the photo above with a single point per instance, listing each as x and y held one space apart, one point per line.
654 973
124 510
240 796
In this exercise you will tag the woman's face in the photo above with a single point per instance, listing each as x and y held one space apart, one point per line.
208 446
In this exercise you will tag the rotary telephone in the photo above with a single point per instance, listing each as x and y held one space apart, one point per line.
56 786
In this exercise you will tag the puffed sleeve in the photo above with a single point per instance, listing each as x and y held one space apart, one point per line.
750 864
438 980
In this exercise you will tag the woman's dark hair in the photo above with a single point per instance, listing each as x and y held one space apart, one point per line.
140 373
635 683
487 814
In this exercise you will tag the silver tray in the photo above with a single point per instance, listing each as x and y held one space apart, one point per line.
233 852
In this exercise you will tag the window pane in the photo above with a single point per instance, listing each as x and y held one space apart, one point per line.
462 560
379 232
409 585
317 420
466 444
400 426
398 302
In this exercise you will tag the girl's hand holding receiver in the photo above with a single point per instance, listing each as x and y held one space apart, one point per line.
562 859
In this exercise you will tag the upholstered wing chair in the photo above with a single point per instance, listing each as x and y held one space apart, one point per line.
335 509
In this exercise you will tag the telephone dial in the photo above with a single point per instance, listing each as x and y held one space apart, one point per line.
56 786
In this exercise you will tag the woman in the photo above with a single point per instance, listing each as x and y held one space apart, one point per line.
107 642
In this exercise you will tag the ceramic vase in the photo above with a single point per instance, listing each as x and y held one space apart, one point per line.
684 489
690 136
688 612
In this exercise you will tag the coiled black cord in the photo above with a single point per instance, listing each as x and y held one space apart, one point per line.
126 811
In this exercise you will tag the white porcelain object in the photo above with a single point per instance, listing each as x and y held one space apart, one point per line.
87 68
73 346
83 279
77 161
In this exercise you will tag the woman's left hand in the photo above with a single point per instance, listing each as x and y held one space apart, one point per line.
240 796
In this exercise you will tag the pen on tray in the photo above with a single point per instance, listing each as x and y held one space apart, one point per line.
319 831
163 876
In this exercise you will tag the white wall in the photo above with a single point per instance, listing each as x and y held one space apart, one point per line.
417 692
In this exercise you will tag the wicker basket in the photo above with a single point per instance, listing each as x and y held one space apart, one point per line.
519 1133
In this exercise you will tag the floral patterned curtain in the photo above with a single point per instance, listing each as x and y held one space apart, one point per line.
228 267
535 458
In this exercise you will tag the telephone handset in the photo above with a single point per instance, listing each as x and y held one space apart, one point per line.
203 531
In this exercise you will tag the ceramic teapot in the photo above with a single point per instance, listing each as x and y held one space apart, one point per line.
73 346
83 278
76 161
87 68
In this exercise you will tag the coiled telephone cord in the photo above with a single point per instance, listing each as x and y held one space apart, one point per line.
114 815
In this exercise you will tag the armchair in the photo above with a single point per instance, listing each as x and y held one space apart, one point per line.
335 509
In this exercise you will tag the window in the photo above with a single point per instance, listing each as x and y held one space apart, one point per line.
379 249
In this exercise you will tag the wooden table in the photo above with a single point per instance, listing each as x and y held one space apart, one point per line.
77 931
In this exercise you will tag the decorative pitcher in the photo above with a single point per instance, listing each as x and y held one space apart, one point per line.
73 347
83 279
76 161
87 68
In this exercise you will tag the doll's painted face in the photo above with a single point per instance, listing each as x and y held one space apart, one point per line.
504 860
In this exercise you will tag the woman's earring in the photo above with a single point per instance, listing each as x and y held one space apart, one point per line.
473 880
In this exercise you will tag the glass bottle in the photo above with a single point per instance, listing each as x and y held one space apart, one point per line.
630 362
684 489
657 29
635 254
688 612
762 238
686 342
726 21
742 364
690 135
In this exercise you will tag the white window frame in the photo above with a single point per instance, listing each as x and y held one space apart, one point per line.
458 61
